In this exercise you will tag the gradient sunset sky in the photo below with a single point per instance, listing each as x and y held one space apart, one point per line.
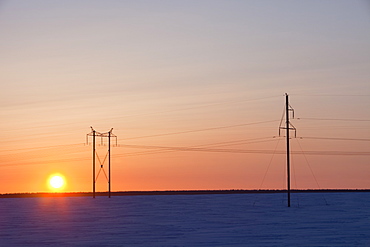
173 76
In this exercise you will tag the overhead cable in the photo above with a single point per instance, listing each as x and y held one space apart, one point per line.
200 130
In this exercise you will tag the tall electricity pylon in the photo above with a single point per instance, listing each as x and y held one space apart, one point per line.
288 126
108 135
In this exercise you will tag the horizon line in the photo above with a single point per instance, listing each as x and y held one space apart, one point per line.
170 192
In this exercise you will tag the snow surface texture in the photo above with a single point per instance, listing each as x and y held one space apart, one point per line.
188 220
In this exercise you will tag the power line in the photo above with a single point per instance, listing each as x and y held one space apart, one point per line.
42 147
45 162
197 107
166 149
336 119
336 139
199 149
219 144
194 149
333 95
200 130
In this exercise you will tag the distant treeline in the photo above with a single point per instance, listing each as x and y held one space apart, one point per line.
170 192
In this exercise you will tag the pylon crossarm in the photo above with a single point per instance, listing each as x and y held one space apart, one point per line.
292 110
293 128
107 135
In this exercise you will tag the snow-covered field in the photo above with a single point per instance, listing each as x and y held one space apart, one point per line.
188 220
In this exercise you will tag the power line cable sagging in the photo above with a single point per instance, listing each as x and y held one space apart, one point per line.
161 150
201 130
335 138
198 149
335 119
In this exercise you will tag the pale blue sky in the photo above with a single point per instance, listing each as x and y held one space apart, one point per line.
75 49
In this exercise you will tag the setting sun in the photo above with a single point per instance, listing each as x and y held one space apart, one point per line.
56 182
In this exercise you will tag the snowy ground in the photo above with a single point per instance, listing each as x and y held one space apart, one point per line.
188 220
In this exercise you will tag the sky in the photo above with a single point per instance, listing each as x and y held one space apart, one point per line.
194 91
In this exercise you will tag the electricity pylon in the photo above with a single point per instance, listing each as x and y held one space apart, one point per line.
108 135
288 126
